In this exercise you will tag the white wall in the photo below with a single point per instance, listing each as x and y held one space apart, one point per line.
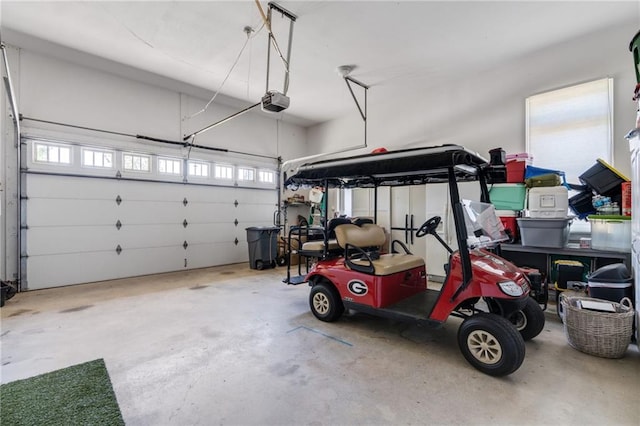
487 110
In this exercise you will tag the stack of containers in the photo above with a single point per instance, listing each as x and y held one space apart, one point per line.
611 230
508 198
547 223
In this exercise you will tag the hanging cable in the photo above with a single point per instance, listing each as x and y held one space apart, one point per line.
248 30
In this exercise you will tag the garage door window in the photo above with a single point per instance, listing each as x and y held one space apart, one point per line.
52 154
169 166
136 163
97 158
266 176
223 171
198 169
246 174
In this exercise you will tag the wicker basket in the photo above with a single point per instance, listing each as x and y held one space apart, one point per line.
604 334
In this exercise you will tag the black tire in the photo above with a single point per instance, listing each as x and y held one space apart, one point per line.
260 265
282 260
491 344
325 303
529 321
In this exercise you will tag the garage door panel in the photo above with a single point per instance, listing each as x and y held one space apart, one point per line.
257 196
51 212
196 193
70 239
44 186
210 213
77 268
213 254
204 233
152 212
150 191
145 236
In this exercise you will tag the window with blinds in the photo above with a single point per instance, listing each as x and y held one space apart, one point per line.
569 129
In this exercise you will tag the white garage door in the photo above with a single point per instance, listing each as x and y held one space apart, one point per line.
79 229
83 229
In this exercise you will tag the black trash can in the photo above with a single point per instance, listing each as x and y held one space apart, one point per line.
263 246
611 282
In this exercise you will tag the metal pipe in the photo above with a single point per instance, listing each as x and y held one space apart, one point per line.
286 76
353 95
224 120
149 138
348 79
16 121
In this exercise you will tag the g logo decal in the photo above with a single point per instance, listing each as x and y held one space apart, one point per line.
357 287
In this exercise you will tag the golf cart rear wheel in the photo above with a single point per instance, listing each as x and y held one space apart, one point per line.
529 321
325 303
491 344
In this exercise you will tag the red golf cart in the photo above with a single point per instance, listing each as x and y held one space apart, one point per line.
348 271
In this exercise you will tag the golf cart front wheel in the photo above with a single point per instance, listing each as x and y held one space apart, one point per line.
529 321
491 344
325 303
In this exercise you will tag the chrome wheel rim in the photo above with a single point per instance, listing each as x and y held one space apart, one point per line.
484 347
321 303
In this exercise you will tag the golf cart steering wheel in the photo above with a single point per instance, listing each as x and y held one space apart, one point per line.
429 227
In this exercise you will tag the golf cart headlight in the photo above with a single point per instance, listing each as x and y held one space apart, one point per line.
511 288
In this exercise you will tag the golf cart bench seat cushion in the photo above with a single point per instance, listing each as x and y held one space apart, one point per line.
371 235
319 245
392 263
367 235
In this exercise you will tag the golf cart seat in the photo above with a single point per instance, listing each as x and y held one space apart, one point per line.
361 246
332 243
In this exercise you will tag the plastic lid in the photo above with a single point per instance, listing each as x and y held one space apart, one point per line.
614 273
507 213
613 169
608 217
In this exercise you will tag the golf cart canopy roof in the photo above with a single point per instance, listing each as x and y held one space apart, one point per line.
403 167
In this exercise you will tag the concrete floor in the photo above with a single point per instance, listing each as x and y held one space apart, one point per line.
232 346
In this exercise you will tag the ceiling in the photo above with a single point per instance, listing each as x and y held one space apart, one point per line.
392 44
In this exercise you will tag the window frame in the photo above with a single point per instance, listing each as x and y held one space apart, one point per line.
225 166
170 160
48 146
272 173
94 151
241 169
198 163
133 155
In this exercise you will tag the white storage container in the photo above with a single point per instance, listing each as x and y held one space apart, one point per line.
551 202
610 232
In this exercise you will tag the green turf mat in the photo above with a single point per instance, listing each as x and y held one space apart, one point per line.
78 395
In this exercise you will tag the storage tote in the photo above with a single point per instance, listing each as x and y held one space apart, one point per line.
603 178
507 196
544 232
610 282
610 232
549 202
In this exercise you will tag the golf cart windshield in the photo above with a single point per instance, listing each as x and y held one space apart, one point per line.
484 228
